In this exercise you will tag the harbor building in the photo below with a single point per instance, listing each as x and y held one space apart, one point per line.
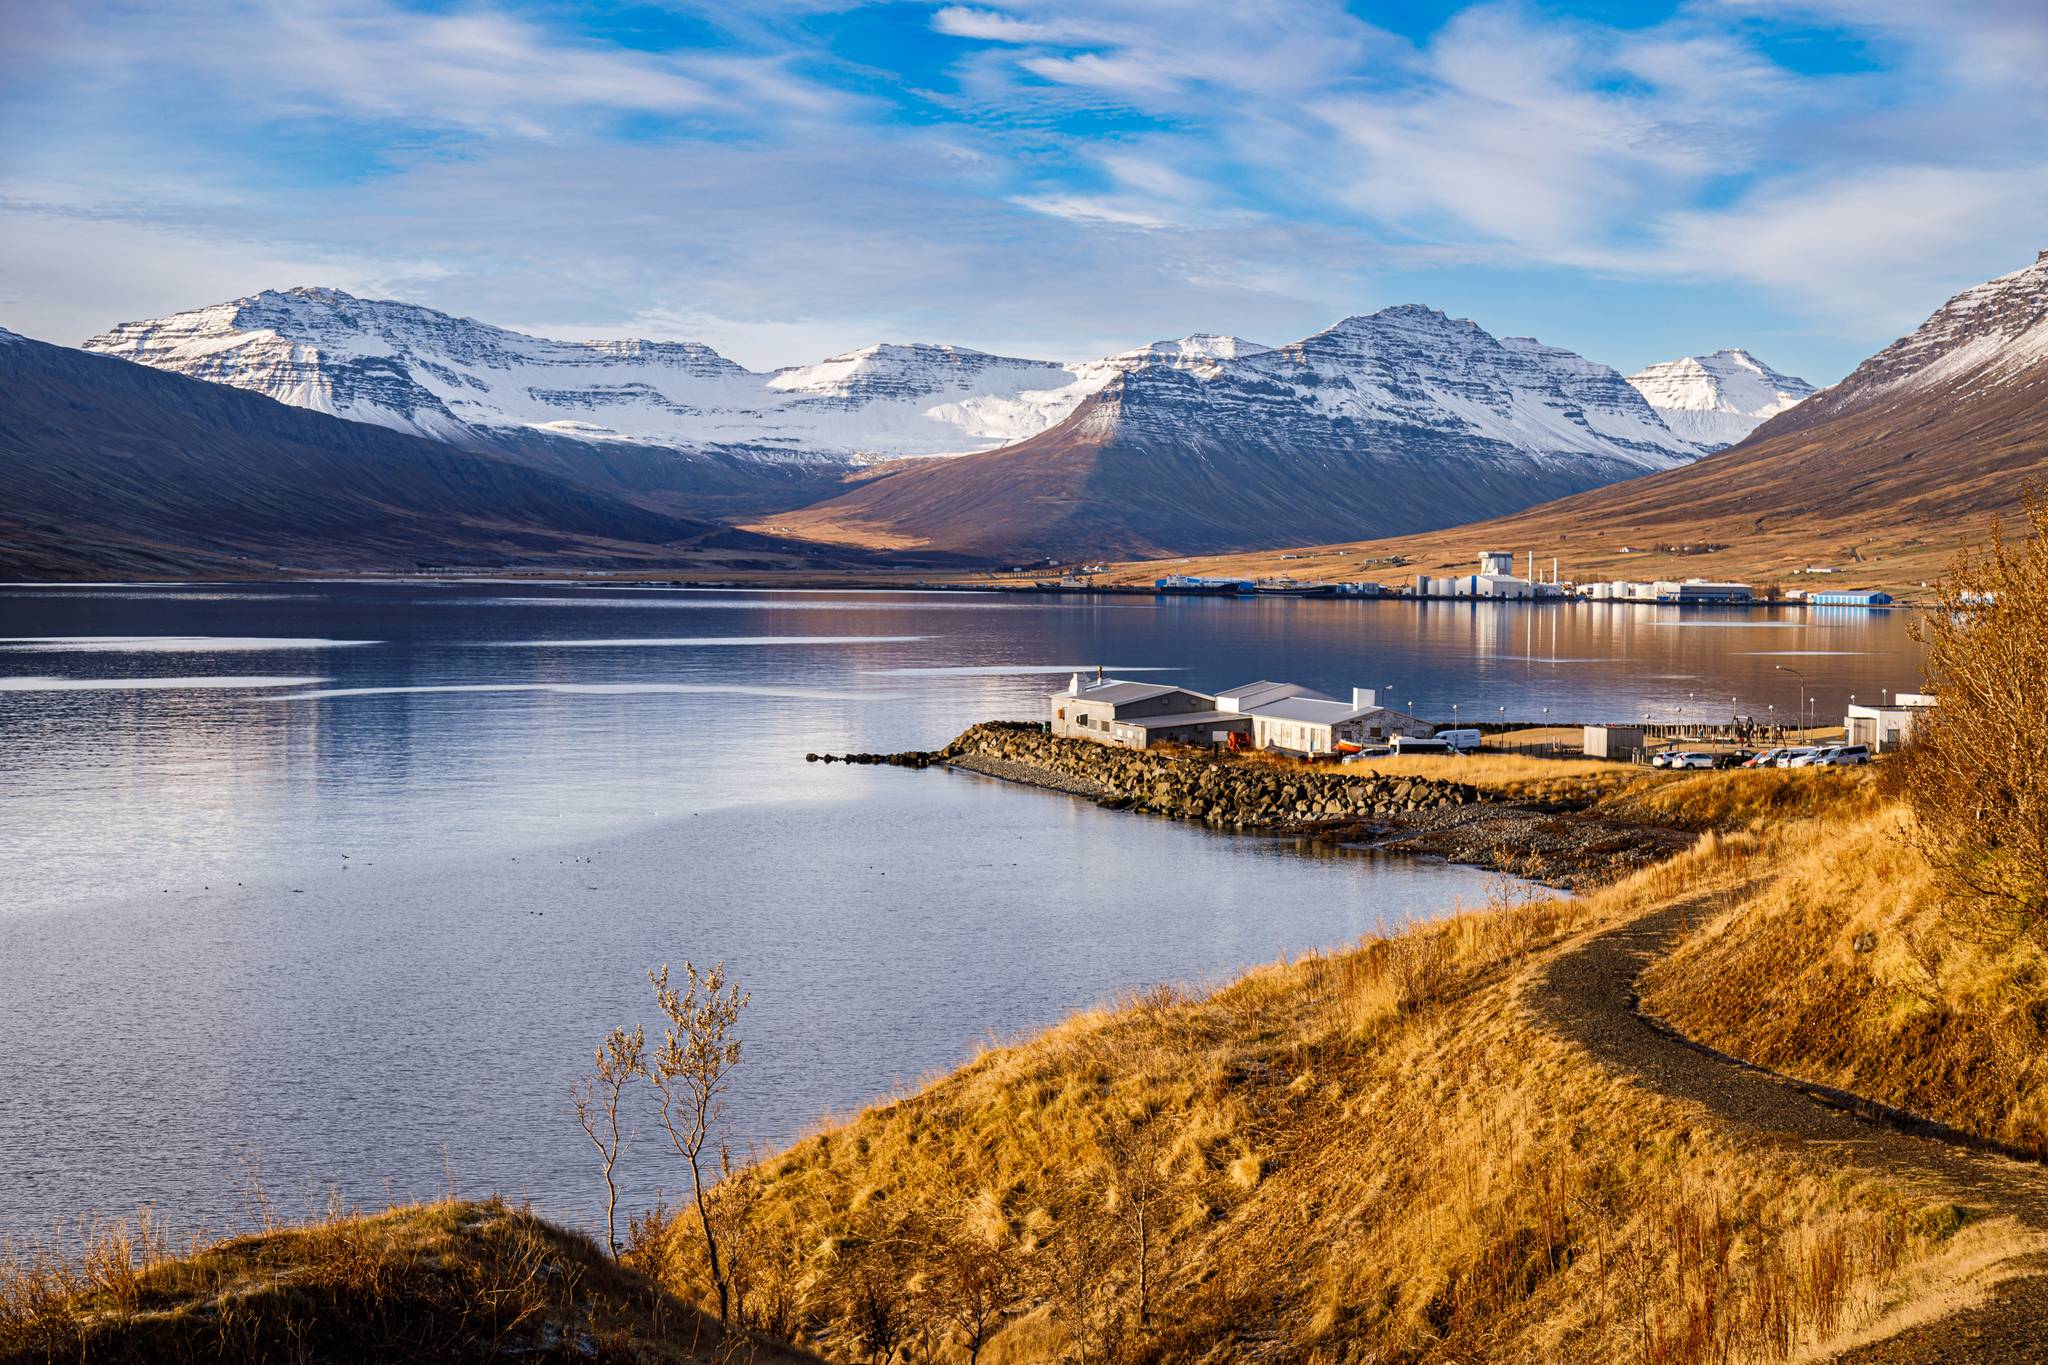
1134 715
1495 581
1285 717
1292 719
1849 599
1701 592
1886 727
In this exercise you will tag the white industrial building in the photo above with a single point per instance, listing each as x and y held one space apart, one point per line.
1886 727
1670 592
1292 719
1495 581
1267 715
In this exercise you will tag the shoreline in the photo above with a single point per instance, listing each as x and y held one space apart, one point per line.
1564 845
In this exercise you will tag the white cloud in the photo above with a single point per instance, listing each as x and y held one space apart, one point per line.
1092 170
1877 249
479 69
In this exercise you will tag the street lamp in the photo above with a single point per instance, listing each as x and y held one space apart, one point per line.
1786 668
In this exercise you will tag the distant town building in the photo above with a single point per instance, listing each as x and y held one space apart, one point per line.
1496 580
1849 599
1702 592
1672 592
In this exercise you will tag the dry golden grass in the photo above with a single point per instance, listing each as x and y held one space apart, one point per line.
1366 1155
448 1281
1843 967
1519 776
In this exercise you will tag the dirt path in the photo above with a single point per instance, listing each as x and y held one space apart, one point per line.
1588 996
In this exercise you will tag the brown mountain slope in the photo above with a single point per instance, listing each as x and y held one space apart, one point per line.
1880 477
111 468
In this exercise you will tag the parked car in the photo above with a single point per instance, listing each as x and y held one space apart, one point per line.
1690 758
1464 741
1769 758
1800 758
1370 751
1843 756
1735 758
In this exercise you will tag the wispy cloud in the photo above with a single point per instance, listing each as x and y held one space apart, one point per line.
794 176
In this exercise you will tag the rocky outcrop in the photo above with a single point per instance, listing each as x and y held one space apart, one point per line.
1217 790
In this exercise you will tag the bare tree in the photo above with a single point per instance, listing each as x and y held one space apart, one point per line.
692 1069
1137 1150
620 1057
1079 1267
973 1279
1974 772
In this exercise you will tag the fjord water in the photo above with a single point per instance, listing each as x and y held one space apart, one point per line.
340 882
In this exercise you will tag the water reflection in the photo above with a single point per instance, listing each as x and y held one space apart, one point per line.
350 925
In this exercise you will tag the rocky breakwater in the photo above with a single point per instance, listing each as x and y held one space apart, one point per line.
1215 789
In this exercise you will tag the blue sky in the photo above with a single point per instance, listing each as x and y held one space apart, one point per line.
792 178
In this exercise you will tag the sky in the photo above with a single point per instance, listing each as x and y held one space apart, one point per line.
788 179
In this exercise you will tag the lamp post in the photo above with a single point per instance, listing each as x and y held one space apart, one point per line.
1786 668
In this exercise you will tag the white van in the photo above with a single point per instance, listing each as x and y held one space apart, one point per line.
1460 741
1402 745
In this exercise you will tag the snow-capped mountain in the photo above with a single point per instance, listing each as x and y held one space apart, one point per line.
417 370
1889 470
1715 400
1412 377
1991 335
1404 419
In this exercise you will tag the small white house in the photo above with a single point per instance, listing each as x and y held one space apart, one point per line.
1886 727
1134 715
1293 719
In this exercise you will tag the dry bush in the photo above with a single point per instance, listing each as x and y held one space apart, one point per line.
1977 766
451 1281
596 1098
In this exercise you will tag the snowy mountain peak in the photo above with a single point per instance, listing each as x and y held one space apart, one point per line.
1993 332
1409 371
1418 380
1716 400
414 369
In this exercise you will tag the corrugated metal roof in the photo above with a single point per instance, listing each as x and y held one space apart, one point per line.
1252 696
1119 693
1185 718
1313 710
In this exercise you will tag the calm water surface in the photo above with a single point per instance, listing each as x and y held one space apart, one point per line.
346 888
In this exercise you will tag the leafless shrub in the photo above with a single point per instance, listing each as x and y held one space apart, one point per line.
620 1057
692 1070
1975 771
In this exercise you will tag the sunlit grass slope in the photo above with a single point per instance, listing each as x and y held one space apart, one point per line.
1368 1155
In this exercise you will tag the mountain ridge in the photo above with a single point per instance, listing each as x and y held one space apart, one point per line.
112 468
1877 479
1402 419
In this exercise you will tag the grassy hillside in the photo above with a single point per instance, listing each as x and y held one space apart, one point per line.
1376 1154
1843 969
1368 1155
